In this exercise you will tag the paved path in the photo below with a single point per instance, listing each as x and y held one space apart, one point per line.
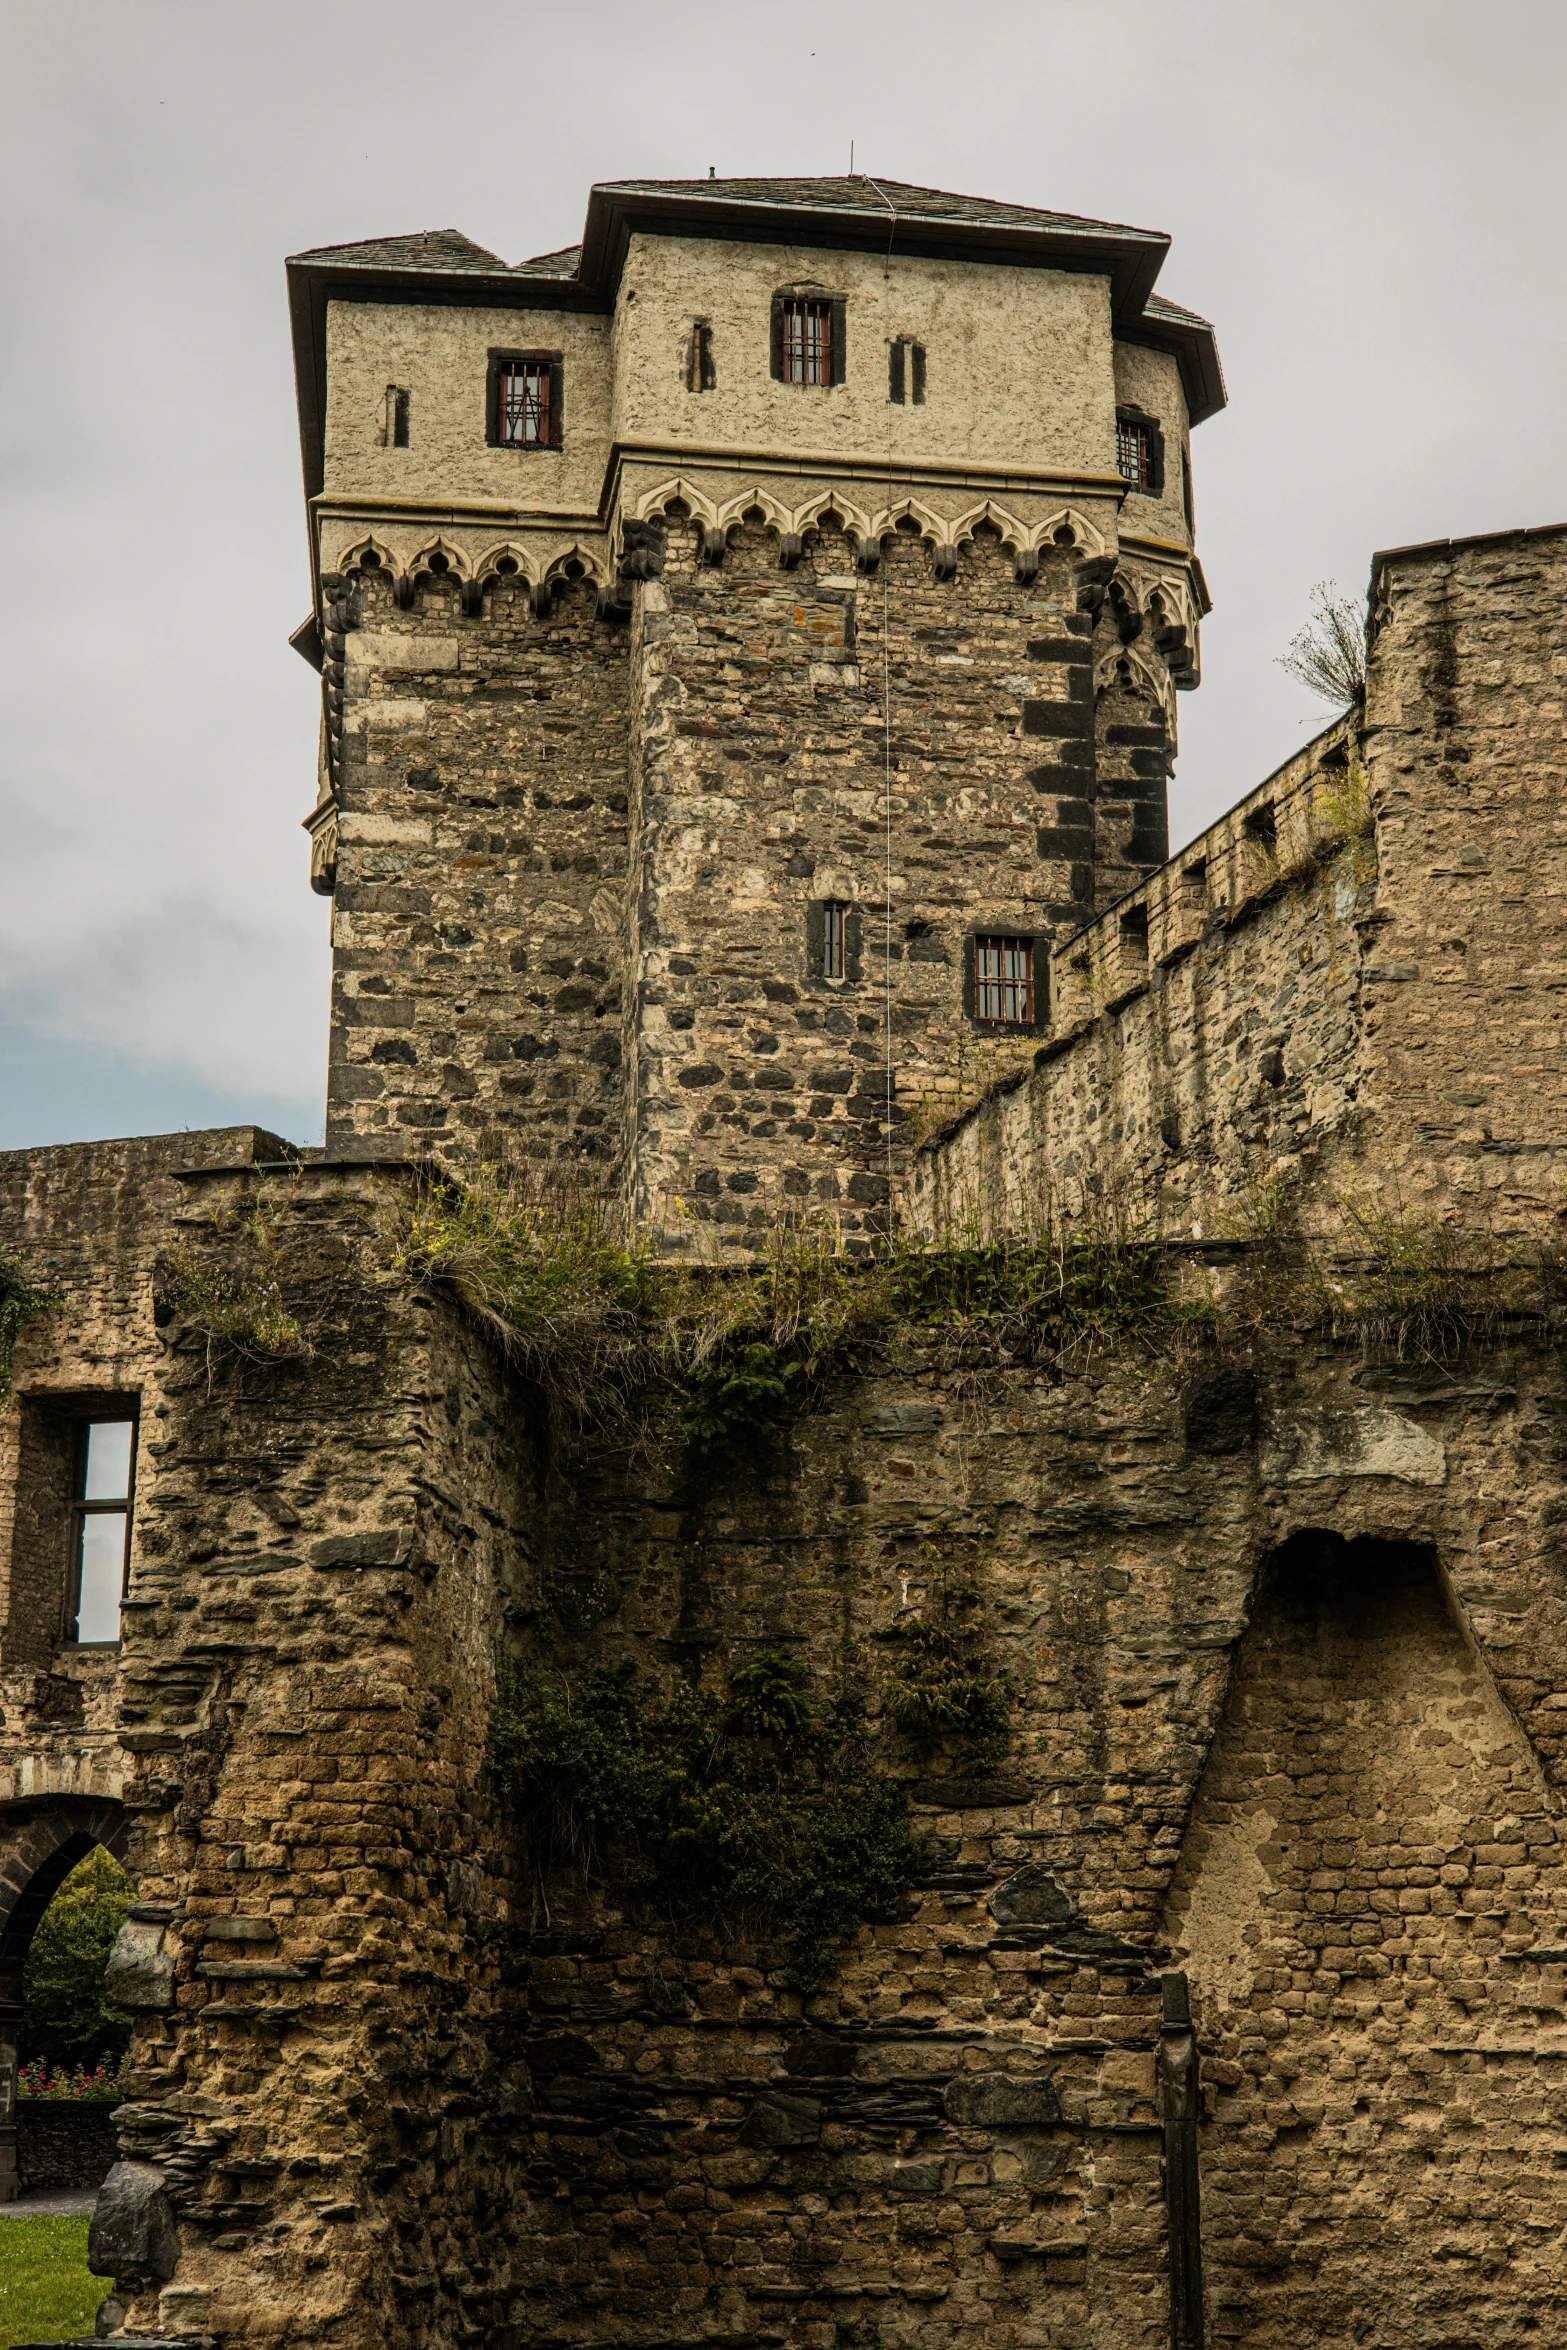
49 2202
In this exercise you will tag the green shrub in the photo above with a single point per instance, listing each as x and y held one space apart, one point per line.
68 2022
20 1300
755 1809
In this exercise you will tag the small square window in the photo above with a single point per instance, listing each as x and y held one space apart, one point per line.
101 1528
1004 980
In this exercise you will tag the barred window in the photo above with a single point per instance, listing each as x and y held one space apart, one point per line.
832 941
101 1527
1132 452
1004 979
807 342
523 421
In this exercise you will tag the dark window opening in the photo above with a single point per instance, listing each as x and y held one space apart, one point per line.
807 342
906 372
1186 493
1139 450
832 941
1004 979
807 338
701 375
101 1528
394 425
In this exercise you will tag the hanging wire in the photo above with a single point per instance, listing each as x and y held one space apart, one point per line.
886 752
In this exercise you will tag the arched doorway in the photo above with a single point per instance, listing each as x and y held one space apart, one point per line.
41 1842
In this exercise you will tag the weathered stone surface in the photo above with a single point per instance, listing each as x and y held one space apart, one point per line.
140 1972
1000 2101
1303 1448
133 2235
776 2122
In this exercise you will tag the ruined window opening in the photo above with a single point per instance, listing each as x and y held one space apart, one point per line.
101 1528
1004 979
701 376
1139 451
906 372
832 941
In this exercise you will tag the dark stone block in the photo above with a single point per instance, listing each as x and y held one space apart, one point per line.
394 1049
1060 648
1221 1411
1032 1896
700 1073
1063 841
382 1546
778 2121
1001 2101
1066 719
820 2056
1149 736
133 2234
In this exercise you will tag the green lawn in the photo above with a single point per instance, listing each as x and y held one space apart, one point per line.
45 2287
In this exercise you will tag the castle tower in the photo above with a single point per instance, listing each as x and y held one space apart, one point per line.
747 641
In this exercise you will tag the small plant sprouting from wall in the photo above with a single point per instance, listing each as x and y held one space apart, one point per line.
939 1687
238 1306
756 1808
1328 655
21 1300
1342 807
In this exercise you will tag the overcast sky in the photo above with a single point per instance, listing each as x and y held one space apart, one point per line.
1364 195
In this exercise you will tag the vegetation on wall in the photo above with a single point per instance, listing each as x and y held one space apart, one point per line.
238 1305
21 1298
758 1808
1328 655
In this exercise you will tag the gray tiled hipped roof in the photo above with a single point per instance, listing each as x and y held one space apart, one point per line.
859 194
432 248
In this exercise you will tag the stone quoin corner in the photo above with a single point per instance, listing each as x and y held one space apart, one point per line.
851 1632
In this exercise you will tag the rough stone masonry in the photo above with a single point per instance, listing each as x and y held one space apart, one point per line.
677 766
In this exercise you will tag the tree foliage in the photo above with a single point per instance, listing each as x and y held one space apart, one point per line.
68 2022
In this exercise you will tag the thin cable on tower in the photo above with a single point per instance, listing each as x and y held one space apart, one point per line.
886 753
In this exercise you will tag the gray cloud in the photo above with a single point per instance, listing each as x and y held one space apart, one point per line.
1363 197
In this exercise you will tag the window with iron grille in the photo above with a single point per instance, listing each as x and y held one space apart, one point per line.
1139 450
524 420
807 342
1004 979
832 941
100 1528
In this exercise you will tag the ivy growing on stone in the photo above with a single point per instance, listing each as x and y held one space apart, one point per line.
756 1808
21 1298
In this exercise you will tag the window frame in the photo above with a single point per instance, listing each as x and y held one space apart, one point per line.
1152 436
837 349
701 375
905 372
500 363
851 940
81 1509
1038 982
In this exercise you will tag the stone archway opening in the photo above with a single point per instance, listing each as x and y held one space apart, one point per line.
1369 1892
42 1847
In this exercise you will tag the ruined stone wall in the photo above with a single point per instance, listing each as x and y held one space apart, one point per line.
1378 1010
1206 1030
406 2090
478 926
325 1555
